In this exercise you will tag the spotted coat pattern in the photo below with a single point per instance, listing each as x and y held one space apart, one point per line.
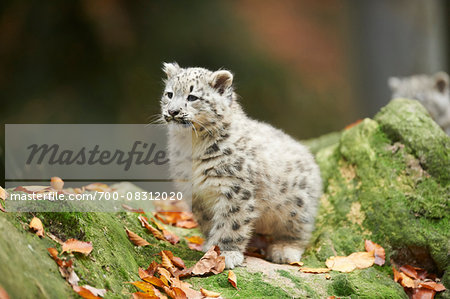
247 176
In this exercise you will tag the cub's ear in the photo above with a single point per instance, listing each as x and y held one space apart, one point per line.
221 80
441 81
171 69
393 83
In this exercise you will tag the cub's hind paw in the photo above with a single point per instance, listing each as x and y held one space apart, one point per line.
284 253
233 259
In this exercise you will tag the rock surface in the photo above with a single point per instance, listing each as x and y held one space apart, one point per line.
386 180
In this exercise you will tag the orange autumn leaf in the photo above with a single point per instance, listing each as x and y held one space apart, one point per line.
212 261
85 293
144 286
356 260
397 275
74 245
36 225
95 291
296 264
379 253
210 294
164 275
159 226
187 223
174 259
56 183
166 262
314 270
135 239
195 239
406 281
100 187
139 295
3 294
179 219
154 281
152 268
422 293
175 293
3 193
232 279
171 237
156 233
438 287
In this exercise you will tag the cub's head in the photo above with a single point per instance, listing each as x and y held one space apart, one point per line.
196 96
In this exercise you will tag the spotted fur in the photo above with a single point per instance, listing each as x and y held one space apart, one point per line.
432 91
247 176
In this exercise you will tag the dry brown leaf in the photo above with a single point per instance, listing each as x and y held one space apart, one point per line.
438 287
170 236
314 270
159 226
131 209
156 233
56 183
61 263
232 279
36 225
135 239
210 262
296 264
74 245
341 264
139 295
422 293
179 219
154 281
187 223
100 187
95 291
73 280
166 262
142 273
406 281
174 259
362 260
210 294
410 271
175 293
396 274
85 293
164 275
379 253
144 286
152 268
195 240
3 193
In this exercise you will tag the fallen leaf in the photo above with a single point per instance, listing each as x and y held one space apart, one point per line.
74 245
171 237
362 260
100 187
62 263
341 264
438 287
85 293
164 275
174 259
314 270
210 262
130 209
422 293
175 293
196 247
73 280
327 276
187 223
296 264
379 253
33 189
152 268
36 225
397 275
207 293
56 183
139 295
406 281
3 193
156 233
232 279
166 262
195 240
159 226
144 286
135 239
154 281
2 208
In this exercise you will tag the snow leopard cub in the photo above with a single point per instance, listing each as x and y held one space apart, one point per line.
247 176
432 91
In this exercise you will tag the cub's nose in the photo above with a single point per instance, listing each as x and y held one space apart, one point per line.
173 112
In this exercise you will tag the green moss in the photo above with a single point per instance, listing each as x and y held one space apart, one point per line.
301 284
251 285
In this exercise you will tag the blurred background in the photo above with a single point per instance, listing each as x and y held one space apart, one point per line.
308 67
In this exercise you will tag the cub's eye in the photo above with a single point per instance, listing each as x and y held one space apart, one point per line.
192 98
169 95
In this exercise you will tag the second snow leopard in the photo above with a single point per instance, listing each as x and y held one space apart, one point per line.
247 176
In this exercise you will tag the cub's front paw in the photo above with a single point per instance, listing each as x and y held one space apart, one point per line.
233 259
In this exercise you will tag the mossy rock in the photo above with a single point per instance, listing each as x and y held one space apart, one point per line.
385 180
